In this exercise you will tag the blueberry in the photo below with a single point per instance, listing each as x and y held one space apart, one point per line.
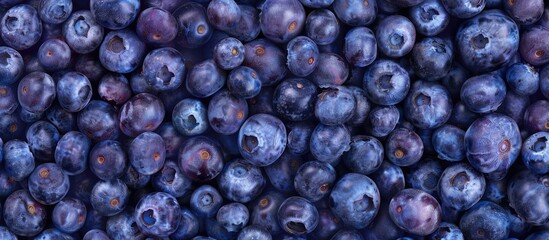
515 106
297 216
447 231
36 92
354 12
281 20
532 48
485 220
114 88
262 139
21 27
314 180
389 179
360 46
334 70
109 198
365 155
534 153
42 138
74 91
398 33
123 226
71 152
144 112
492 144
267 59
524 13
483 93
188 225
403 147
115 14
156 26
247 28
69 215
121 51
164 69
464 8
134 179
243 82
528 195
522 78
460 187
536 117
55 12
194 30
382 120
241 181
200 158
428 105
329 143
107 160
386 82
415 211
228 53
264 211
11 66
95 234
481 46
147 153
205 79
294 99
233 216
48 184
322 26
429 17
157 214
431 58
335 105
226 112
328 224
189 117
205 201
355 200
223 14
98 121
362 109
5 233
282 172
23 215
448 142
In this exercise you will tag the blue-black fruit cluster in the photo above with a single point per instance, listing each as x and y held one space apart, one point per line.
274 119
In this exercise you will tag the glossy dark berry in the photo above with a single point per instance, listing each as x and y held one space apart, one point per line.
21 27
82 32
297 216
115 14
200 158
241 181
294 99
281 20
262 139
23 215
142 113
48 184
415 211
157 214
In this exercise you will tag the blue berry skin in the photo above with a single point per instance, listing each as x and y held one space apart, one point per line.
463 8
114 88
334 70
495 191
281 20
403 147
71 152
55 12
42 138
144 112
262 139
533 48
74 91
328 143
147 153
360 46
12 67
355 200
95 234
98 121
156 26
115 14
454 80
254 232
282 172
29 117
297 216
23 215
121 51
316 3
263 102
538 235
461 116
205 79
48 184
448 143
354 12
389 179
347 235
205 201
108 160
88 65
189 117
18 159
535 154
482 46
365 155
171 180
302 56
5 233
314 180
485 220
109 198
386 82
460 187
322 26
382 227
188 225
492 144
223 14
228 53
382 120
157 214
515 106
398 33
200 158
483 93
528 193
233 216
415 211
431 58
429 17
243 82
267 59
36 92
264 211
363 107
335 105
69 215
328 224
522 78
536 117
82 32
123 226
53 233
247 28
134 179
241 181
81 186
425 176
544 81
294 99
226 113
428 105
21 27
12 127
194 29
164 69
447 231
8 185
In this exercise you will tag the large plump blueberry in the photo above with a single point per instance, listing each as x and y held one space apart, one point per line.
241 181
522 78
335 105
403 147
386 82
98 121
115 14
294 99
334 70
226 112
398 34
492 144
157 214
21 27
528 194
74 91
247 28
535 153
144 112
11 66
194 30
156 26
18 159
228 53
415 211
524 12
448 142
36 92
425 176
328 143
48 184
223 14
487 41
354 12
205 201
322 26
189 117
429 17
200 158
267 59
114 88
171 180
42 137
314 180
164 69
244 82
147 153
55 12
262 139
82 33
382 120
123 226
23 215
355 200
205 79
188 225
431 58
297 216
69 215
264 211
233 216
121 51
365 155
109 198
107 159
485 220
460 187
71 152
533 49
463 8
302 58
483 93
428 105
360 46
281 20
536 117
